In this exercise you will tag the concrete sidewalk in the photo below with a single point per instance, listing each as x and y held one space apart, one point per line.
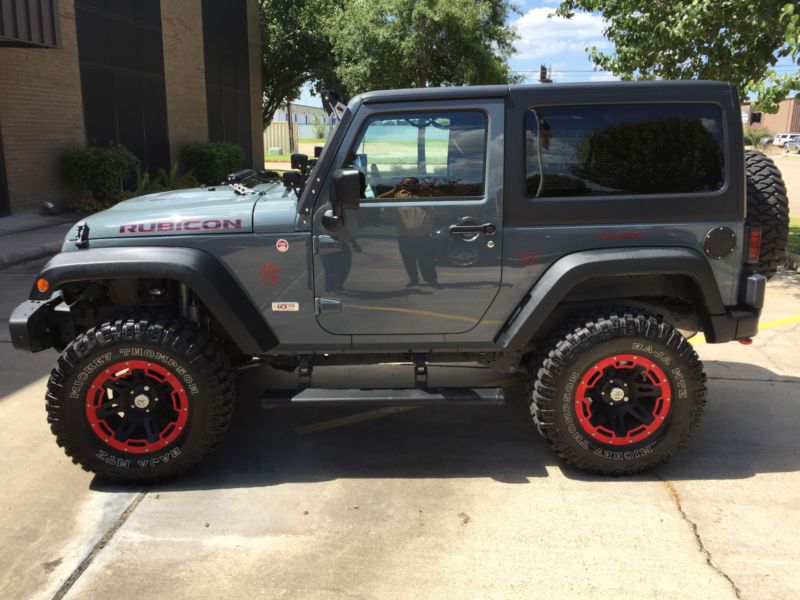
28 236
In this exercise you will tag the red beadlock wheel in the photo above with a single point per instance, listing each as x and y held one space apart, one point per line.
623 399
137 406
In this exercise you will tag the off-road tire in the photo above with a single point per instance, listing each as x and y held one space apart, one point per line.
174 346
570 354
767 206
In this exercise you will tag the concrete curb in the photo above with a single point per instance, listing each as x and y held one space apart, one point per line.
15 257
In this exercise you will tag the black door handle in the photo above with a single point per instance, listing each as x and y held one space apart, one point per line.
487 229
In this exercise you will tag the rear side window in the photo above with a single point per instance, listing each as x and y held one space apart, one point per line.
624 149
422 155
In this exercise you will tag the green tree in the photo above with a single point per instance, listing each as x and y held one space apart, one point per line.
739 41
385 44
294 49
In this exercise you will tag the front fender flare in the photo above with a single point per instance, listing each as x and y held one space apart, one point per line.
213 283
567 272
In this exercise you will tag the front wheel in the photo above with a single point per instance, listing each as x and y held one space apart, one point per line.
140 399
618 393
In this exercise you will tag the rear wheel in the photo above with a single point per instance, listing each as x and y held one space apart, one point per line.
140 399
618 393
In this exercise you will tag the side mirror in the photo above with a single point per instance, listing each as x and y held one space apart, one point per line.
344 192
299 161
345 188
317 151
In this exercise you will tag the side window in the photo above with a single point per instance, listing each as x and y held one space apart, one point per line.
624 149
422 155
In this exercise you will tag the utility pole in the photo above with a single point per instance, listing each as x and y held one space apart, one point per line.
292 143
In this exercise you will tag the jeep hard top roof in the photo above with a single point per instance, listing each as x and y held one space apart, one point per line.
502 91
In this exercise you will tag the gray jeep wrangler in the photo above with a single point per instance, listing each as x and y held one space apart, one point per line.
576 233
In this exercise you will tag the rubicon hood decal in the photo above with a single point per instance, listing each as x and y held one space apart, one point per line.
188 225
196 211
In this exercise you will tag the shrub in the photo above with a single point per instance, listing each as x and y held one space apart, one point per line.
211 162
99 171
320 129
752 137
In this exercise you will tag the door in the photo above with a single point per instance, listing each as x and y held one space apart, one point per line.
422 254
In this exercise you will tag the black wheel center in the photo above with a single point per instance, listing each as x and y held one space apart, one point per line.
141 397
616 391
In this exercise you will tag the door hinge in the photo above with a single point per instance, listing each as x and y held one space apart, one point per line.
325 244
327 305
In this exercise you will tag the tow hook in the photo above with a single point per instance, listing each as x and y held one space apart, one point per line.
746 341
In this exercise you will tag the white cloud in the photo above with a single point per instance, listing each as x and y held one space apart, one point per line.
541 36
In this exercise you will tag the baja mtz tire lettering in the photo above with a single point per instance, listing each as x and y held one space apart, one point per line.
147 398
620 412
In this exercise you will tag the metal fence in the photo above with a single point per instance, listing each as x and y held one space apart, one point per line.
277 135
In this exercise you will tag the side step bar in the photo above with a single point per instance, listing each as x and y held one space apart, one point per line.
385 397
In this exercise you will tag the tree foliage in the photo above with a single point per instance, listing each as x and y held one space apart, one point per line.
294 49
731 40
385 44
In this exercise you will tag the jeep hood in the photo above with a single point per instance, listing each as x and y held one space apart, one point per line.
196 211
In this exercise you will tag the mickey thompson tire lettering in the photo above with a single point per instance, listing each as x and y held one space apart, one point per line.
565 358
198 367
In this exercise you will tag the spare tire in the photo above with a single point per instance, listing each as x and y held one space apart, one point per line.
767 206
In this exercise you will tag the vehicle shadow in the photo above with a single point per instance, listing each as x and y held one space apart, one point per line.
750 426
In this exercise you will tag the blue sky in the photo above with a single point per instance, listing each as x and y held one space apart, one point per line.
557 43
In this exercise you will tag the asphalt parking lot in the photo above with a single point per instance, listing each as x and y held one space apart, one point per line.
416 503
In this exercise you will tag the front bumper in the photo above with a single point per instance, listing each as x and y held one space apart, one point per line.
33 325
740 322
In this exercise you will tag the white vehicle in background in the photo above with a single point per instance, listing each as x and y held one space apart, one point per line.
781 139
792 147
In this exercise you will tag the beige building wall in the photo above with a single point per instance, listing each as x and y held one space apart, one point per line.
786 120
256 90
184 73
41 116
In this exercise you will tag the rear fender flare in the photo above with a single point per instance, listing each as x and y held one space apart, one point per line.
557 282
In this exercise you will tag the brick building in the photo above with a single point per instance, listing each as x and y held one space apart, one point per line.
151 75
785 120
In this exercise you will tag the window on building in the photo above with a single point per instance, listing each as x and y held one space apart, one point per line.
122 77
227 64
623 149
422 155
4 199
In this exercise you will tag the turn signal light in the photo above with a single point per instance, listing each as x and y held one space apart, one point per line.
753 246
42 284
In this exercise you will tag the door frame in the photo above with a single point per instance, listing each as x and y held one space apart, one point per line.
495 109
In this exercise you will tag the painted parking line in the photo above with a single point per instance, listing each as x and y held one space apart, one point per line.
383 412
700 338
